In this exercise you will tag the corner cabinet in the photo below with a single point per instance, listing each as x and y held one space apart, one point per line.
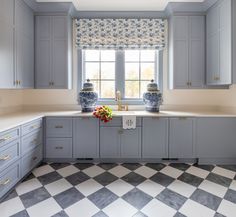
53 52
187 52
219 44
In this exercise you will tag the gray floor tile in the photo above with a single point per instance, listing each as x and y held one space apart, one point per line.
156 166
68 197
180 166
49 178
77 178
102 198
137 198
229 167
206 199
131 166
190 179
178 214
139 214
162 179
221 180
204 167
100 214
9 196
219 215
107 166
33 197
83 166
61 214
230 195
21 214
105 178
133 178
171 199
58 166
28 177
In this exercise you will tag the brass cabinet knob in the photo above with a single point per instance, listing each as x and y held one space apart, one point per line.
5 182
7 157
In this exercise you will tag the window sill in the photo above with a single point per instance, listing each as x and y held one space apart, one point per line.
124 102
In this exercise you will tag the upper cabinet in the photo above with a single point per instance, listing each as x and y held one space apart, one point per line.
16 45
53 52
186 52
219 44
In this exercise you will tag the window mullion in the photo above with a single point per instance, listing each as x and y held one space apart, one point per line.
120 72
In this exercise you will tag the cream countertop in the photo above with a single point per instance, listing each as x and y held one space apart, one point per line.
12 120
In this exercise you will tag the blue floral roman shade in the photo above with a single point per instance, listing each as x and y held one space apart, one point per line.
121 33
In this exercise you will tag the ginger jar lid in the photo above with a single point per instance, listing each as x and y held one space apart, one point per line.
152 86
88 86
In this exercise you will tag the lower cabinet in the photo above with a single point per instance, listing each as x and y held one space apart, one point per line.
116 142
181 138
85 138
155 138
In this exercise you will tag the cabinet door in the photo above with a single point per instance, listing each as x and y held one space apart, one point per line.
7 44
43 52
181 138
155 138
196 51
131 143
110 142
24 28
215 137
180 51
85 138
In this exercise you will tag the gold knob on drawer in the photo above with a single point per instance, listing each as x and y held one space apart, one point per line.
58 127
59 147
34 158
5 182
7 157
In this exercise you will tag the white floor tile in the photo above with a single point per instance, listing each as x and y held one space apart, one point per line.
156 208
11 207
182 188
233 185
45 208
145 171
151 188
83 208
119 171
213 188
227 208
88 187
193 209
197 172
223 172
172 172
120 187
28 186
40 171
58 186
120 208
93 171
67 171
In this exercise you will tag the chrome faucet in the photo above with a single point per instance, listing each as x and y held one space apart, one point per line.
120 107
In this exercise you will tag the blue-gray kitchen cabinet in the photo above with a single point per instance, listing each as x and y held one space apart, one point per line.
187 52
219 44
53 52
216 138
85 137
182 137
155 138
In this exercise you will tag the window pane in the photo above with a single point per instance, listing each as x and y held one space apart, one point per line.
131 55
132 89
144 87
107 89
148 55
147 71
96 86
107 55
107 70
92 55
92 71
132 71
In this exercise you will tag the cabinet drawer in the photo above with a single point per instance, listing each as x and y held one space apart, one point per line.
9 154
117 122
9 177
59 148
59 127
9 136
30 160
31 141
32 126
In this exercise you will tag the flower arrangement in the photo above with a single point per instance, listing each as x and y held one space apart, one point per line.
104 113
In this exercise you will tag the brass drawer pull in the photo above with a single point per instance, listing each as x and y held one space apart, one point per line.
5 138
182 118
59 147
120 131
34 158
7 181
7 157
34 141
59 127
34 127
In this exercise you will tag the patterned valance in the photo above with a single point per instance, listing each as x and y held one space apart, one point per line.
121 33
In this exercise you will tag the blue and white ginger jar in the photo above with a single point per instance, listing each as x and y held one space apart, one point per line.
88 97
152 98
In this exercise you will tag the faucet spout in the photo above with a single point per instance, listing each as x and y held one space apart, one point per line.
118 99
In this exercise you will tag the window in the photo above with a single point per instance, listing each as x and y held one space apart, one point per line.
128 71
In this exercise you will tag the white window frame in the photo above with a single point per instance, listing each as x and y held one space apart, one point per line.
120 76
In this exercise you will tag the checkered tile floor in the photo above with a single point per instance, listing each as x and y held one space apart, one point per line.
124 190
